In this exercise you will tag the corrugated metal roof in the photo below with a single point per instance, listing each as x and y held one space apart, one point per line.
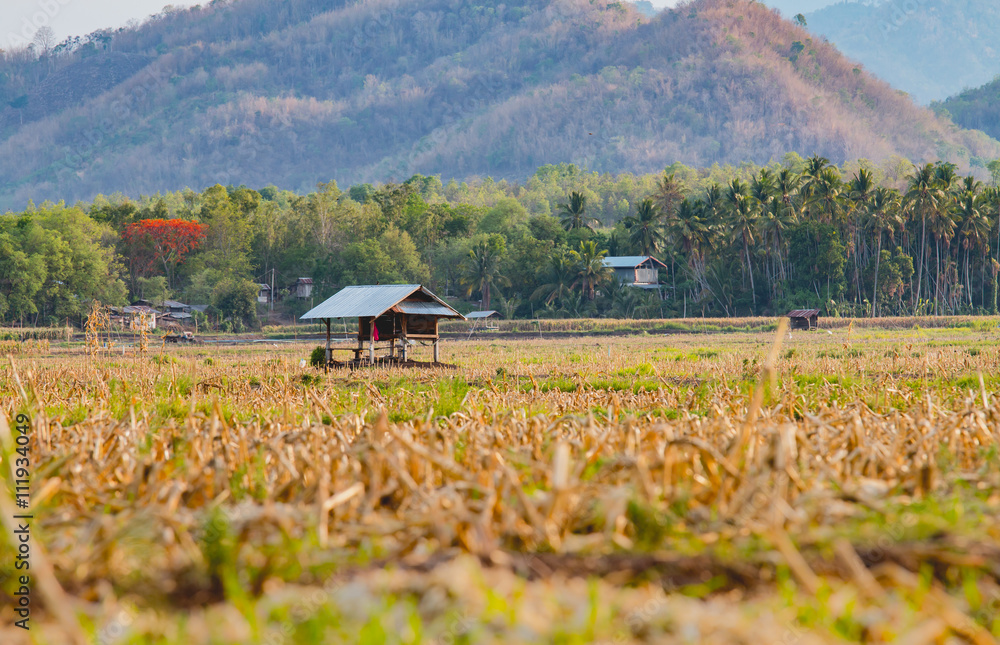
803 313
629 261
472 315
420 308
304 281
370 301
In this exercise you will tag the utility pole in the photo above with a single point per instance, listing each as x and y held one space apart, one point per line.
272 289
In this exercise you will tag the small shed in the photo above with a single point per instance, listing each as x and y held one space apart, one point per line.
138 317
397 314
486 319
807 319
303 288
636 270
263 293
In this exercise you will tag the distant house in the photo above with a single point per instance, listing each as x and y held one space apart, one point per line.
139 317
641 271
303 288
263 293
807 319
174 307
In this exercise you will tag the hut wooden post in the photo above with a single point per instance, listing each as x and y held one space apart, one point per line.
437 351
402 340
326 363
371 342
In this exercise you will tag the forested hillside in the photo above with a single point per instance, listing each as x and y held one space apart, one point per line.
293 93
855 240
977 108
932 49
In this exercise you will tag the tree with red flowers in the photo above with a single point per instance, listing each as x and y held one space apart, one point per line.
166 242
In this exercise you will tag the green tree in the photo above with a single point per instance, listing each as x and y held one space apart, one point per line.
646 228
482 267
590 268
573 214
236 299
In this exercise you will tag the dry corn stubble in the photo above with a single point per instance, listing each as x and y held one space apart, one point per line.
696 465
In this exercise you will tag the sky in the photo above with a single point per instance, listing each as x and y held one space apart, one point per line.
20 19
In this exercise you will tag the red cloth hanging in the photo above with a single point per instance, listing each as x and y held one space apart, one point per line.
375 330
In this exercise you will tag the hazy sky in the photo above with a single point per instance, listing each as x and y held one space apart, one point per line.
20 19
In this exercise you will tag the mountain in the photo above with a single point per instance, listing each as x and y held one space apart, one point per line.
931 49
255 92
977 108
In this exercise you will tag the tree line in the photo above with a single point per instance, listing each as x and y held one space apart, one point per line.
858 240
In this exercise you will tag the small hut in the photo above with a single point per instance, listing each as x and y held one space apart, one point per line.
807 319
486 320
303 288
395 314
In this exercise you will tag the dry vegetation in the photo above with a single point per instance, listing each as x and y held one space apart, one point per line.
685 488
258 93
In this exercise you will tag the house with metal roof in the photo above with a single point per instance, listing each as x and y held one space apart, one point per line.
263 293
393 316
641 271
303 288
807 319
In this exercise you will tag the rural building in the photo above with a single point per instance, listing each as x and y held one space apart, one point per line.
174 307
807 319
485 319
303 288
138 317
398 315
263 293
641 271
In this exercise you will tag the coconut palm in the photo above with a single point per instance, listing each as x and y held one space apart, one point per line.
973 232
590 268
559 277
482 271
924 196
883 217
646 228
573 214
742 220
668 194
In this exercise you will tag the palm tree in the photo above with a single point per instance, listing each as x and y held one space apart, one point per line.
974 229
883 217
742 219
689 231
668 194
826 192
573 214
991 197
590 268
559 278
483 271
646 228
924 196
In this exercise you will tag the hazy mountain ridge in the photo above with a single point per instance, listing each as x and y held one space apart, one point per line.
977 108
932 49
247 92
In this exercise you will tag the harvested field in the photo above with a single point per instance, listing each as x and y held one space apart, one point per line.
760 487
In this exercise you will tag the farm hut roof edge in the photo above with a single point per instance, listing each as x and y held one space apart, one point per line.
374 300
